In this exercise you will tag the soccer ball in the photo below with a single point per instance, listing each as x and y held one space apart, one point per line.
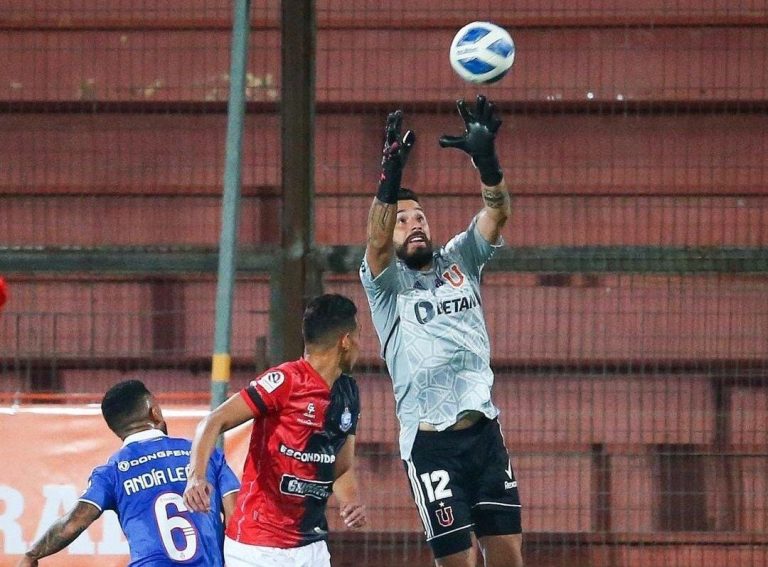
482 52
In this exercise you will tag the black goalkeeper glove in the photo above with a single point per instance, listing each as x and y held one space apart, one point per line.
479 139
395 154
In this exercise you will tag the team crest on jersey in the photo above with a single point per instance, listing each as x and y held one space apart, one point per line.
444 516
454 276
271 381
346 420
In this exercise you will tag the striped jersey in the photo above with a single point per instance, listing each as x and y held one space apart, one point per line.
299 428
433 335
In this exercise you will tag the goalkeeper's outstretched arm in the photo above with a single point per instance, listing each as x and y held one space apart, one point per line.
479 142
383 214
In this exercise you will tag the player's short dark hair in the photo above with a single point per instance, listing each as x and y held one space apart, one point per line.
405 194
326 316
123 402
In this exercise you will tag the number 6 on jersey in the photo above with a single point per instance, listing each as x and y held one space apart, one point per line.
167 523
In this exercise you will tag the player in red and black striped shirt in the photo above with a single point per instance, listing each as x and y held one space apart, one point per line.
301 449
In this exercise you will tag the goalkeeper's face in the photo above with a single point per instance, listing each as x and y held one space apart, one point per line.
413 243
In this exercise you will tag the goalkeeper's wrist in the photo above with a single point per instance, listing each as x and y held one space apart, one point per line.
489 168
388 188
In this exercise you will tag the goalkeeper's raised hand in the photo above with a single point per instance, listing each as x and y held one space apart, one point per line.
394 156
478 140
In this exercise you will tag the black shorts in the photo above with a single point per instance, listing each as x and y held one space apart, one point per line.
462 481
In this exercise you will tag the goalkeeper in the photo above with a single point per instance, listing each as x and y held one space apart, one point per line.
426 308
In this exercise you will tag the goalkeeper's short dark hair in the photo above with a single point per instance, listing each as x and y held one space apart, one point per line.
405 194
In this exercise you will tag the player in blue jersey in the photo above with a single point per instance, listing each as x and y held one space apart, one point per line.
143 482
426 307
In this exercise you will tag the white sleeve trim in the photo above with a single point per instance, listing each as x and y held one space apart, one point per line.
92 503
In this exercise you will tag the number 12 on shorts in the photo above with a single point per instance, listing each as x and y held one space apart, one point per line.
436 484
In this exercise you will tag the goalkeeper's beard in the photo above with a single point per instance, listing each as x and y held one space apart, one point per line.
418 259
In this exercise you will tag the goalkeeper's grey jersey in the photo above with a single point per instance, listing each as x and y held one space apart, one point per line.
433 335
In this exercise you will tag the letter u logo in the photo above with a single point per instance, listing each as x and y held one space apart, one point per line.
444 516
454 276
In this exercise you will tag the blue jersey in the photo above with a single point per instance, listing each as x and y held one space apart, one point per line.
143 483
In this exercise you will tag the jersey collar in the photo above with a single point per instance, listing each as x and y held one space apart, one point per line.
143 436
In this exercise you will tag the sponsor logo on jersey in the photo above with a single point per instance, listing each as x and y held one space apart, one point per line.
304 487
309 414
426 310
508 484
271 381
444 515
124 466
305 456
346 420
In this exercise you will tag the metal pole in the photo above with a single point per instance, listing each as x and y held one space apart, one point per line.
293 283
230 209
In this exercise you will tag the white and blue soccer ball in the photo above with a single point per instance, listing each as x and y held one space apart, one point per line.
482 52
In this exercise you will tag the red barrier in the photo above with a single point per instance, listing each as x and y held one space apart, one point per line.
563 64
558 155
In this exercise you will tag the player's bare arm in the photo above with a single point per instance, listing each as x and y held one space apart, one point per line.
63 532
495 212
228 505
233 412
381 224
478 140
345 486
383 213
